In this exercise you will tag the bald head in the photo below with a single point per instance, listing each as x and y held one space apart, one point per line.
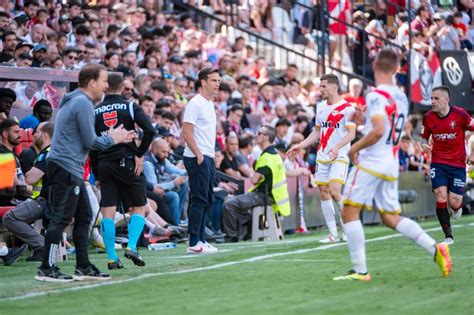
160 149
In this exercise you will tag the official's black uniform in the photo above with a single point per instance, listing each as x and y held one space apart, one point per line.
115 167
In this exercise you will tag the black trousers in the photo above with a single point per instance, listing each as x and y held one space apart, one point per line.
163 210
67 200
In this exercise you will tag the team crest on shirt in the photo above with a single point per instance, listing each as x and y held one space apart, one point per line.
452 124
335 112
110 119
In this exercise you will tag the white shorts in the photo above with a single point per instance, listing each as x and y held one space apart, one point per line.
335 172
364 189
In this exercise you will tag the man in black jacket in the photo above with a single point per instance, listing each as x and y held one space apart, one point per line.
119 169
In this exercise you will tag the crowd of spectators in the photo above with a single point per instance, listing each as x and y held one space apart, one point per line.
160 54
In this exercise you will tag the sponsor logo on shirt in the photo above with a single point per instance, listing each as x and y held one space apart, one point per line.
445 136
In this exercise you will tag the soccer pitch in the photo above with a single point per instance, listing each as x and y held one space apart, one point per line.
288 277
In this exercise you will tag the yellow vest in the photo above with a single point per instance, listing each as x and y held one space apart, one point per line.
39 184
281 199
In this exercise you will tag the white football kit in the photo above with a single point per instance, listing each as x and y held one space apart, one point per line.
333 121
375 177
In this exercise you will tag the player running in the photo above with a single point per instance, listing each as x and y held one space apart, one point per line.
335 130
446 125
375 175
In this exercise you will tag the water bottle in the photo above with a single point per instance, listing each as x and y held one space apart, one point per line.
160 246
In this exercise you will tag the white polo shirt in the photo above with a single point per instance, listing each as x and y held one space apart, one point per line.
201 113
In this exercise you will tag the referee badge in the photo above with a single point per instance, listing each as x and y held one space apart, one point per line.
76 190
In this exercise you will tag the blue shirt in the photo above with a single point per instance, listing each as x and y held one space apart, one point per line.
29 121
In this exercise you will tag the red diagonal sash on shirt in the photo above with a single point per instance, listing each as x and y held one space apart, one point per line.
334 118
392 114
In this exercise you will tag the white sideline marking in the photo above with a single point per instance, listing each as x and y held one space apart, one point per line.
212 267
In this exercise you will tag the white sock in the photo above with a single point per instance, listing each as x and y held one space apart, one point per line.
338 205
328 213
356 244
3 251
150 226
413 231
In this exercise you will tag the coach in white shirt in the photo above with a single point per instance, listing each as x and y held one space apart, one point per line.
199 133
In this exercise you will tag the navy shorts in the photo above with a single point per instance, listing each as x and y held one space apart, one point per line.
450 176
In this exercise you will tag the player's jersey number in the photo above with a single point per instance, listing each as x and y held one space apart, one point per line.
396 128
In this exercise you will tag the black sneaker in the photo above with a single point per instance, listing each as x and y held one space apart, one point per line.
37 255
90 273
14 254
112 265
52 274
135 257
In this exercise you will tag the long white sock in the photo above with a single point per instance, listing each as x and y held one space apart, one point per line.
338 205
356 244
328 213
413 231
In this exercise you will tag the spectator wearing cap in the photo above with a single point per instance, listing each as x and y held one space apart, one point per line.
175 64
64 24
158 90
39 55
7 98
42 112
281 131
22 48
70 58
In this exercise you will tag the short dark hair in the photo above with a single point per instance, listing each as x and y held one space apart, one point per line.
245 140
236 107
204 73
168 115
283 122
115 82
145 98
7 124
40 103
331 78
386 61
48 128
420 9
88 73
8 33
442 88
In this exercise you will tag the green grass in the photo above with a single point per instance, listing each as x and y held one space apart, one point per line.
293 278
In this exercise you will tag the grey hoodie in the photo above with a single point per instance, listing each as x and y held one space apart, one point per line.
74 133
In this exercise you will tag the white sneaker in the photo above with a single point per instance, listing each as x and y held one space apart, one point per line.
457 214
330 239
449 240
196 249
209 249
